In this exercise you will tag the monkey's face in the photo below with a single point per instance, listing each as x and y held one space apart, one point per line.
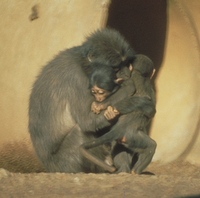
99 93
109 45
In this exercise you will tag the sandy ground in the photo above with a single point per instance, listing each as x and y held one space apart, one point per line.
178 179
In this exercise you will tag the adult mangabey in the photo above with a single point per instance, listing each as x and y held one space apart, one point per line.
60 117
130 130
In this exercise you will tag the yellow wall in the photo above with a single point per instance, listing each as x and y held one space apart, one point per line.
170 38
176 125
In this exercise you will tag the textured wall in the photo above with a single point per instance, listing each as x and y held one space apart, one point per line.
166 31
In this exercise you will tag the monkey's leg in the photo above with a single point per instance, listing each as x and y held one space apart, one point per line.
145 147
65 157
121 159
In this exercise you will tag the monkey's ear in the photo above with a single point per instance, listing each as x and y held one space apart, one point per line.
87 51
154 70
122 140
130 67
119 81
91 56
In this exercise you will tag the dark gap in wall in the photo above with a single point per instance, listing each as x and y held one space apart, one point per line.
143 23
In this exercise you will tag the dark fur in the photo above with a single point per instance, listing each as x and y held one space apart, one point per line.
133 125
135 132
103 76
60 119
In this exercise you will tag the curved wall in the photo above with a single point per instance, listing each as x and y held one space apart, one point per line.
166 31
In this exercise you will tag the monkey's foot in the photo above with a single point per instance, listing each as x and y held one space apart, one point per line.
133 172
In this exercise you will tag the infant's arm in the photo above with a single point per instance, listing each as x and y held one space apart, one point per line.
127 89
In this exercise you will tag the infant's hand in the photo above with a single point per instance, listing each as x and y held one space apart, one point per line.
110 113
95 107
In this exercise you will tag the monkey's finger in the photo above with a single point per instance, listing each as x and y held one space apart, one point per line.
94 110
116 112
113 112
111 115
94 105
109 108
97 111
106 115
110 111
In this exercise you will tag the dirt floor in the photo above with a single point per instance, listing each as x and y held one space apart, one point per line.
178 179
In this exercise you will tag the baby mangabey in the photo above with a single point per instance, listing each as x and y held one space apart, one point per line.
103 82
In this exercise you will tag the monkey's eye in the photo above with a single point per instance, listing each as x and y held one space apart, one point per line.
101 92
93 92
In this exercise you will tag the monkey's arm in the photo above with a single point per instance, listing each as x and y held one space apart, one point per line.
135 103
143 100
125 102
84 117
96 122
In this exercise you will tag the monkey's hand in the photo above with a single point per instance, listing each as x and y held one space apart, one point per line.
97 107
110 113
